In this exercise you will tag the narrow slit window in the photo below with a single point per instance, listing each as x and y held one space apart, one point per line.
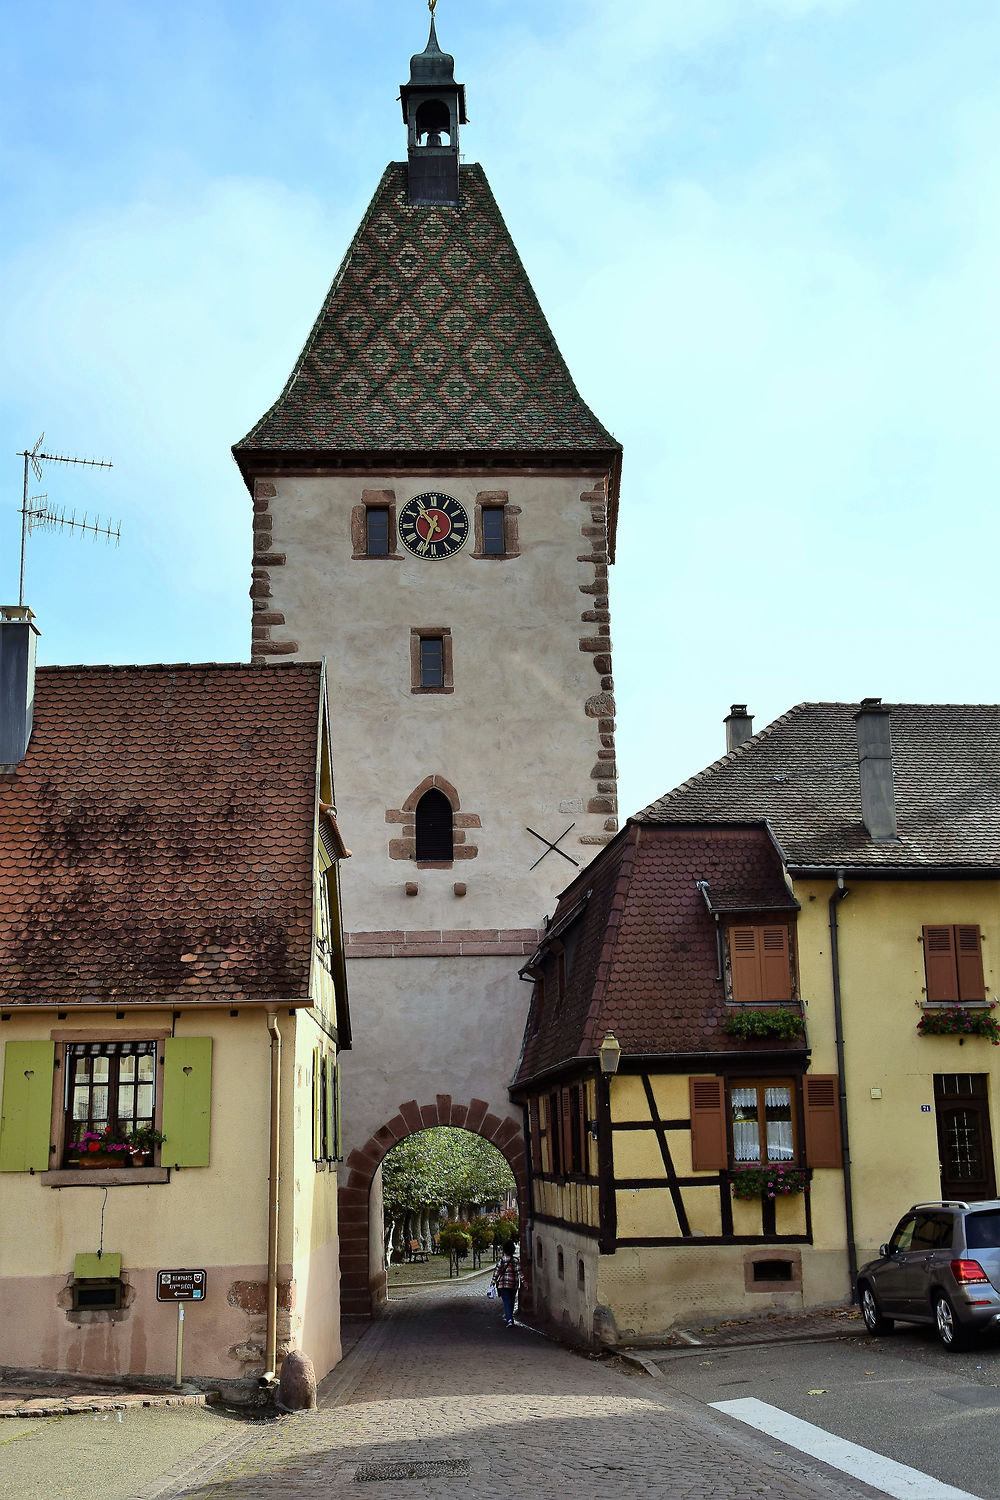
493 531
377 531
431 662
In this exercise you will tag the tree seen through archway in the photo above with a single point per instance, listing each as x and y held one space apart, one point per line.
441 1174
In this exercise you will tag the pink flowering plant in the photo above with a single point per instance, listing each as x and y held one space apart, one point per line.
772 1181
109 1139
955 1020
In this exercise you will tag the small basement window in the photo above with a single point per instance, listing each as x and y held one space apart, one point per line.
91 1294
772 1270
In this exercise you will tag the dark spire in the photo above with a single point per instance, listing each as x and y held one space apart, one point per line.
433 108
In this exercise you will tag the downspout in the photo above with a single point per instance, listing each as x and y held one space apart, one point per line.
271 1338
840 894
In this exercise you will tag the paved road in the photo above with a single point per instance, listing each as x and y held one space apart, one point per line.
499 1414
903 1396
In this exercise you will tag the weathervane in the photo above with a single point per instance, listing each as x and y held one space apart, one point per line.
38 515
432 7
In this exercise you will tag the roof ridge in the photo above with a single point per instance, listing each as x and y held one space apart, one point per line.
51 668
723 760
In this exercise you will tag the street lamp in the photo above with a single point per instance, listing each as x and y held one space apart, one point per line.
609 1052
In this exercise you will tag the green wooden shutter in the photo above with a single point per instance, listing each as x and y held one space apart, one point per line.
330 1136
317 1104
26 1120
338 1134
187 1101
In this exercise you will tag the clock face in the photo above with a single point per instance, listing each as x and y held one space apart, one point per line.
433 525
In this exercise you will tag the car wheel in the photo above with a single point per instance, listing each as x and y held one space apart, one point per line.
953 1334
872 1313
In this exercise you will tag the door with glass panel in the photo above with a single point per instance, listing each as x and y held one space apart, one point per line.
762 1119
965 1140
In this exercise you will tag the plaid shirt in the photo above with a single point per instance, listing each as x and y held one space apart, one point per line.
507 1275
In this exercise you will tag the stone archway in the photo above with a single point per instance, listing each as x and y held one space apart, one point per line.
358 1295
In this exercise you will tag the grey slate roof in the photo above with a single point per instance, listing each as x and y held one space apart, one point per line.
801 775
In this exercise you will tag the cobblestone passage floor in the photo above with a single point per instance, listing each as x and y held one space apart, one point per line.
439 1399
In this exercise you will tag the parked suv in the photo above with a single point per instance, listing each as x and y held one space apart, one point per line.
941 1266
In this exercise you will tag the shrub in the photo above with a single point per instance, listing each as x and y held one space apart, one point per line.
751 1023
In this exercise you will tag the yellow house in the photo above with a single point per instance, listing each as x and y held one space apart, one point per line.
172 1006
787 965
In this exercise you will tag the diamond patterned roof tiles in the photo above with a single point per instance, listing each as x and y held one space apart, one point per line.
801 774
156 842
431 338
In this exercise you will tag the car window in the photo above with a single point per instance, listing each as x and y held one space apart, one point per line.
902 1235
982 1231
932 1232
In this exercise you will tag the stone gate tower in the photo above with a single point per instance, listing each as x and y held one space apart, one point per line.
435 514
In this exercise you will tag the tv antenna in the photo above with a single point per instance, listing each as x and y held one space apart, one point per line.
38 515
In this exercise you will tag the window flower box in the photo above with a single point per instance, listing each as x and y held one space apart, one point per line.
771 1181
749 1024
958 1020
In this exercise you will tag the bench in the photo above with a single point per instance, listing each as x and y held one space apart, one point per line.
414 1252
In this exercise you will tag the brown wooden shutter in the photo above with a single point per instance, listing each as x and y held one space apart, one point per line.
534 1130
744 957
822 1113
969 963
566 1133
709 1144
776 972
939 964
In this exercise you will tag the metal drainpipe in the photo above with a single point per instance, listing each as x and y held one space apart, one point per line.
271 1339
841 894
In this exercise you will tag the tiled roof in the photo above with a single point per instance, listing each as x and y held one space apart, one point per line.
156 842
646 962
801 775
430 339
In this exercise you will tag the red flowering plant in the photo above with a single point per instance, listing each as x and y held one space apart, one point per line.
111 1139
772 1181
955 1020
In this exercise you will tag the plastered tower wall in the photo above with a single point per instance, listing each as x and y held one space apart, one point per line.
524 740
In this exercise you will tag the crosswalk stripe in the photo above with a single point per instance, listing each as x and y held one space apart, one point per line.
885 1474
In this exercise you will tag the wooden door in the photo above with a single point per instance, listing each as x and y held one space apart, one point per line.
965 1141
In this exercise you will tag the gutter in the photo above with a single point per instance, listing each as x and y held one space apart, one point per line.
840 893
271 1337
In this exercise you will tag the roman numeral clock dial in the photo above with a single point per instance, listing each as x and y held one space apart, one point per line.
433 525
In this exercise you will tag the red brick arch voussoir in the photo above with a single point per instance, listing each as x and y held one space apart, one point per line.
357 1292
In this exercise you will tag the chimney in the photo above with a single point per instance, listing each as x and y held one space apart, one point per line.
739 727
17 683
878 800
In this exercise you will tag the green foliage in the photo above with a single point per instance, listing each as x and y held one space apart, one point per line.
750 1023
505 1229
440 1166
455 1237
767 1182
957 1021
481 1231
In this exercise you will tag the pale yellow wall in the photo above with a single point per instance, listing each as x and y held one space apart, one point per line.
565 1300
893 1142
315 1325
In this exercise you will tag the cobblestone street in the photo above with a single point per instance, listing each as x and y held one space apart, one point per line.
440 1382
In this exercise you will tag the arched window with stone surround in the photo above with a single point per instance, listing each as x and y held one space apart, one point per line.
435 836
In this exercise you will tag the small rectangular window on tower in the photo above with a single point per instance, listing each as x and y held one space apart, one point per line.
377 531
493 531
431 660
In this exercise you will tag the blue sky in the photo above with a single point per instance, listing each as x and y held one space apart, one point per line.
766 234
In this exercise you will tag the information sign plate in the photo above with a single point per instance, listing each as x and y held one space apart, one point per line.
180 1286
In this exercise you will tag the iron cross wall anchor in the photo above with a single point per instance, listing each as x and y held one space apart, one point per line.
552 846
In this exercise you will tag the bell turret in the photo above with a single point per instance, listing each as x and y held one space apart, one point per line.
433 109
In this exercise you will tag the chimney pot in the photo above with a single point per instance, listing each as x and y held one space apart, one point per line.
739 727
873 733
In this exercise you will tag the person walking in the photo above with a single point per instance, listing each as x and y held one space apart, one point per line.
507 1279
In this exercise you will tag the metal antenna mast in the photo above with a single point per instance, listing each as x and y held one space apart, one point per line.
39 516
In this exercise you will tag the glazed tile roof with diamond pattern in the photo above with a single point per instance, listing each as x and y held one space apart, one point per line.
156 843
646 962
431 339
801 775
